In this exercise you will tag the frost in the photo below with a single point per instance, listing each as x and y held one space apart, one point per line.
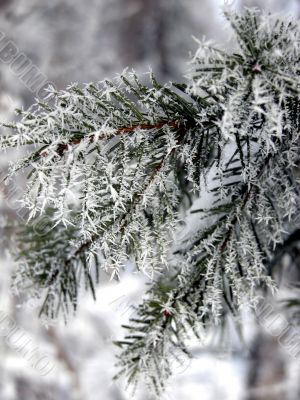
118 166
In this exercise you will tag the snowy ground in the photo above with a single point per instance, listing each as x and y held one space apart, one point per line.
82 354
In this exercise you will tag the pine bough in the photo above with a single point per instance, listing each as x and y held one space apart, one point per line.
115 166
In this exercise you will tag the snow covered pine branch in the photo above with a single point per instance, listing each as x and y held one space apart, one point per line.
117 167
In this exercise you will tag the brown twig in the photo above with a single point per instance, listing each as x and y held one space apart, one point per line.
62 147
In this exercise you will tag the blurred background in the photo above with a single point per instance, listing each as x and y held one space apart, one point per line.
67 41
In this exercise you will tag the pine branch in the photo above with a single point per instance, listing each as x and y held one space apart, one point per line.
111 164
199 292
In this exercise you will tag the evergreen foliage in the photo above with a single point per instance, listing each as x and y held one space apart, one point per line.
116 167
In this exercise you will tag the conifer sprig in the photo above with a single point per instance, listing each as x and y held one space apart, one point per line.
113 164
